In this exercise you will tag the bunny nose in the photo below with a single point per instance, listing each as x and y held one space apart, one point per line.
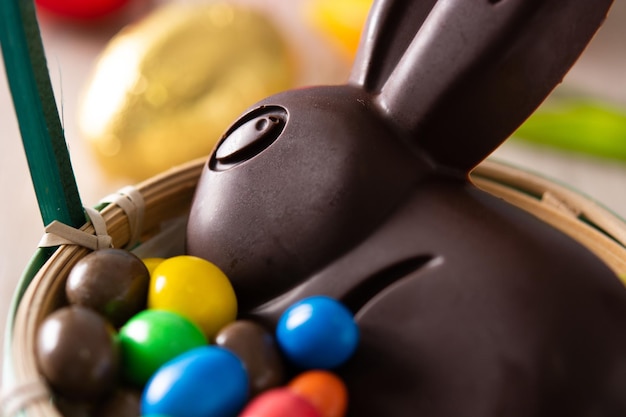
250 135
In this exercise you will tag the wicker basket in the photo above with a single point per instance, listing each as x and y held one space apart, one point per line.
41 289
168 197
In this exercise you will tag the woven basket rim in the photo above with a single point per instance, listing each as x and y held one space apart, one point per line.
161 194
596 227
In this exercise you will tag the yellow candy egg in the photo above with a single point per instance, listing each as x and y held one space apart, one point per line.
196 289
152 263
166 88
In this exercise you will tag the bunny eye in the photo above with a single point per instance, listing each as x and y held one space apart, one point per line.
249 136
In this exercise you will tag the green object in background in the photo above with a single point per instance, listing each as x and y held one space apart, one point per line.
583 126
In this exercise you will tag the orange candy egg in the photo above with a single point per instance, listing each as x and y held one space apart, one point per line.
325 390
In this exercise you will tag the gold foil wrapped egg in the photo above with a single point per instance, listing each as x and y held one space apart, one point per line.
167 87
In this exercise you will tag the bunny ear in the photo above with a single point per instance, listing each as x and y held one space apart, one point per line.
390 28
474 70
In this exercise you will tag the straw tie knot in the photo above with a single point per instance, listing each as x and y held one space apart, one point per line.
131 201
58 233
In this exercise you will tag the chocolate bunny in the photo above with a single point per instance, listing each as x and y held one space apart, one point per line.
467 305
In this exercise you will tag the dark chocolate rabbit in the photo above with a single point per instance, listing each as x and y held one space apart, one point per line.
467 306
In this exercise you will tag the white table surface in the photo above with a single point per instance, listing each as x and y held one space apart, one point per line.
71 53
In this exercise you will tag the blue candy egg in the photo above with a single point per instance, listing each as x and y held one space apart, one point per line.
317 333
205 381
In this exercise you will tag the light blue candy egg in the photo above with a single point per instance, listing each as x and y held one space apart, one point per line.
206 381
317 333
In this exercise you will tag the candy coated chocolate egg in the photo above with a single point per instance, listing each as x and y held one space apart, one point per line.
153 337
317 332
152 263
196 289
73 408
124 402
77 353
279 402
325 390
113 282
207 381
257 349
166 88
81 9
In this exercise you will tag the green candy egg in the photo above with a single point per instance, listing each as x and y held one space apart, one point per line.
153 337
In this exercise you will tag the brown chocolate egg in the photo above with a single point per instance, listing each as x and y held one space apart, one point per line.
73 408
113 282
257 349
77 353
124 402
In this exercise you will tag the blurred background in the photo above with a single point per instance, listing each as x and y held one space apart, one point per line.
94 65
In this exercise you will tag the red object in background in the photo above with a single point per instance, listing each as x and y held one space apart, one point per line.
81 9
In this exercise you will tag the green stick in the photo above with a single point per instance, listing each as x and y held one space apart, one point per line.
37 114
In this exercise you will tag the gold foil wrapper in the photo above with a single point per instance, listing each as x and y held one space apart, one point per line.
166 88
